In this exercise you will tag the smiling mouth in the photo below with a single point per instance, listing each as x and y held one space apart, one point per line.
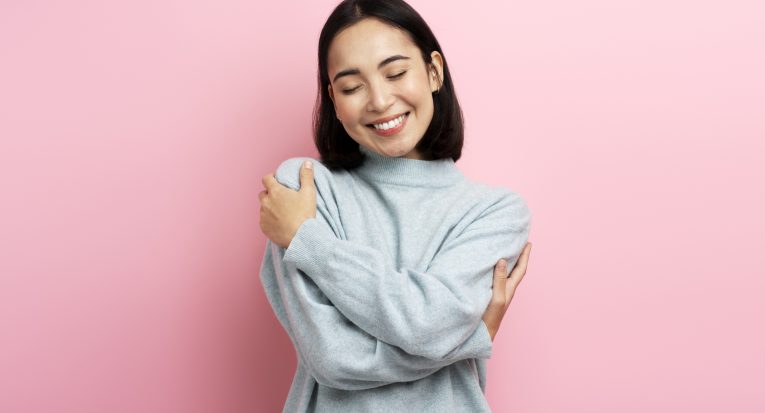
388 125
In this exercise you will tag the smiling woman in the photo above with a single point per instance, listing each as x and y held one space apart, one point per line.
400 87
378 62
385 265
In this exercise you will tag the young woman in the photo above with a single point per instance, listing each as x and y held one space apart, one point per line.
381 257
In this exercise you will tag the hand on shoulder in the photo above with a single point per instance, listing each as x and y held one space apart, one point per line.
284 208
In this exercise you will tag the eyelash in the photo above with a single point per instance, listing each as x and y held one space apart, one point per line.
394 77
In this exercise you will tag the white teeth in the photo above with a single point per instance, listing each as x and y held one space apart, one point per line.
390 124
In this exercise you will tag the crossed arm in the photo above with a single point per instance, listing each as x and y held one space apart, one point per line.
356 338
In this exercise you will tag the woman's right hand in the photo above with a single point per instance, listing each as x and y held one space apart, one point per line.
503 289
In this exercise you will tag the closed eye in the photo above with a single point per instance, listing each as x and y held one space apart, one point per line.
398 75
392 77
349 91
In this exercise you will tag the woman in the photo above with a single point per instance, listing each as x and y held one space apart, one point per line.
380 257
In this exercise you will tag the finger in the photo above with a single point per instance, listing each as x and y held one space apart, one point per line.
516 275
262 195
509 293
306 177
519 270
500 280
500 269
269 182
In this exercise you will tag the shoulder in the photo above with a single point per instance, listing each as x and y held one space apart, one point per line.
500 206
288 172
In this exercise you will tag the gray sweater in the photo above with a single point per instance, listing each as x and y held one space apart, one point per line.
382 294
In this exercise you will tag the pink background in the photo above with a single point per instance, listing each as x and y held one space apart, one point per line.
134 136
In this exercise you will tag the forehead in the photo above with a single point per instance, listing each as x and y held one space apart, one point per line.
366 43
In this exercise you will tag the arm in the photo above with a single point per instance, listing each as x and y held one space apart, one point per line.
397 305
336 352
432 314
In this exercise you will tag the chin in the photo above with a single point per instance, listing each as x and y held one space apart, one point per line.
397 150
391 147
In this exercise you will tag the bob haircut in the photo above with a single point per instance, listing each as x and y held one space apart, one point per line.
445 134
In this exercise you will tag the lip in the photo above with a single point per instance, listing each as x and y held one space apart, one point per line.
381 120
391 131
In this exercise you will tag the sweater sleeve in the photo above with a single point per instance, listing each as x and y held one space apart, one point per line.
432 313
336 352
435 313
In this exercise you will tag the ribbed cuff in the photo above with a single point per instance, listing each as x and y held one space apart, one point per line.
311 247
481 340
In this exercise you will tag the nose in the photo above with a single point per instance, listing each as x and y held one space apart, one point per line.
380 97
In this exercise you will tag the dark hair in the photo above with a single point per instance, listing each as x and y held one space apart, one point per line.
444 136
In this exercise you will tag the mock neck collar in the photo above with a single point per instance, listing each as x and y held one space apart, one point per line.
408 172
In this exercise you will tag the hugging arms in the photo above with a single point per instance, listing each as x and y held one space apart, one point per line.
395 324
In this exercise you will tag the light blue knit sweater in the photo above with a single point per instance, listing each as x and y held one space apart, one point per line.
382 294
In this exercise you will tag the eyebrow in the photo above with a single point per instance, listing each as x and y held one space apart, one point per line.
354 71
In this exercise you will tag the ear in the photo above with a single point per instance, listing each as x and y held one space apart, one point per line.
331 93
436 71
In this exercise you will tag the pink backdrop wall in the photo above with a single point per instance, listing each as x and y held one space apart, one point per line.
134 136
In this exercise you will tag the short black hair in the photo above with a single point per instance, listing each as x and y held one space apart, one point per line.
445 134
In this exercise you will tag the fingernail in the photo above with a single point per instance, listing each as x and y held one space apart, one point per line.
308 164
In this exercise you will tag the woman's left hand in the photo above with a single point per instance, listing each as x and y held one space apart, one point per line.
503 290
283 210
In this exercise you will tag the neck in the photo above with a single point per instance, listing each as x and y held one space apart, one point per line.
408 172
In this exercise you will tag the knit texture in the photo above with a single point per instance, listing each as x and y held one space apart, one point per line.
383 292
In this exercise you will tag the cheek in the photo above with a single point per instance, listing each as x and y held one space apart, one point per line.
346 109
417 92
418 95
